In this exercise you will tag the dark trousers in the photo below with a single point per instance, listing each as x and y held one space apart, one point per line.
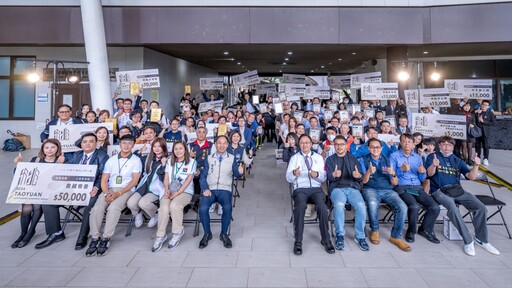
413 203
51 219
482 142
84 228
269 132
224 199
301 198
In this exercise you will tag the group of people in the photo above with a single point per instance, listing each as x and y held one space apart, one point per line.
360 170
156 182
364 171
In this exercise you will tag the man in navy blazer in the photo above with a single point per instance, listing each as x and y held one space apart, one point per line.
89 155
65 113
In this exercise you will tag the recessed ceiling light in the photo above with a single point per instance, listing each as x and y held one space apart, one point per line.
312 71
243 66
290 52
238 63
425 52
322 66
280 70
284 63
339 59
354 53
330 63
286 59
226 53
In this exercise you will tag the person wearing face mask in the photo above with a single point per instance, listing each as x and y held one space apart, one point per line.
327 147
444 169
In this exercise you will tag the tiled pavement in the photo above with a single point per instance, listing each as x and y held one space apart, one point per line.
261 255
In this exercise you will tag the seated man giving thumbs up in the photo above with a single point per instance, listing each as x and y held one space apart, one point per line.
306 172
411 172
344 179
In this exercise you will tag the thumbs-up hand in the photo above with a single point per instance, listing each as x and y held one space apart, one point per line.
61 159
356 173
336 173
477 160
405 167
435 161
326 148
18 158
422 169
372 168
241 168
193 154
313 174
391 171
296 172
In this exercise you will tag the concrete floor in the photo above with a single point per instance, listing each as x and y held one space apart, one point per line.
262 249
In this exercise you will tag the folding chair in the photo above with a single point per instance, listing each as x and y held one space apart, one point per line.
71 210
236 193
490 201
308 221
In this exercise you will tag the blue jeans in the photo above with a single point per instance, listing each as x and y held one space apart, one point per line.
339 197
374 197
224 199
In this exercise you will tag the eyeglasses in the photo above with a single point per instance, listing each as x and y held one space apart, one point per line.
375 147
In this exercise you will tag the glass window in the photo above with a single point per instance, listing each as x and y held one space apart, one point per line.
23 99
5 66
4 98
23 67
506 94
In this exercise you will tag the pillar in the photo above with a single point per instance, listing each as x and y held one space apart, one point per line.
96 51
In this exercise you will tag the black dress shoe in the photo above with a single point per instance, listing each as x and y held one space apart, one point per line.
297 248
409 237
429 236
81 243
328 247
226 241
204 242
50 240
22 244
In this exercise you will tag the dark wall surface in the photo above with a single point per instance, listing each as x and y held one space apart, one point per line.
274 25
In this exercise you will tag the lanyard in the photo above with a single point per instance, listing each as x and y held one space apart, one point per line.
174 175
119 164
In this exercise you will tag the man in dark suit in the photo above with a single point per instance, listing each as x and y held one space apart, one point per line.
89 155
403 126
65 112
398 110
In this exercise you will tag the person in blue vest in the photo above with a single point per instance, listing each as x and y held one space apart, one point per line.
363 150
444 169
378 181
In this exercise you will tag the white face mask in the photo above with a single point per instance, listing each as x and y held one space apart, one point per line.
331 137
445 154
345 101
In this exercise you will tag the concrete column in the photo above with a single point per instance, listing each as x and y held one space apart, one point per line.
96 51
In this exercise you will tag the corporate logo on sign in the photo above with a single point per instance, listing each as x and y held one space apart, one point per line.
61 135
28 178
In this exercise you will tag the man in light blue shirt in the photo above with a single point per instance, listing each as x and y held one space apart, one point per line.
411 172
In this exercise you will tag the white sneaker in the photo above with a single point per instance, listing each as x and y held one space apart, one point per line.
153 221
159 241
219 210
485 162
212 208
470 249
487 246
309 211
176 238
138 220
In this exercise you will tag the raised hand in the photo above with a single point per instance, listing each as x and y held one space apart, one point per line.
18 158
296 172
356 173
163 160
372 168
391 171
405 167
336 173
422 169
61 159
241 169
435 161
477 160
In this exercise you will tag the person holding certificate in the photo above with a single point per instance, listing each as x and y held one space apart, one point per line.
121 174
50 152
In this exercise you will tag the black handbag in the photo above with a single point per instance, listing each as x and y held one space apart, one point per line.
475 131
453 190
